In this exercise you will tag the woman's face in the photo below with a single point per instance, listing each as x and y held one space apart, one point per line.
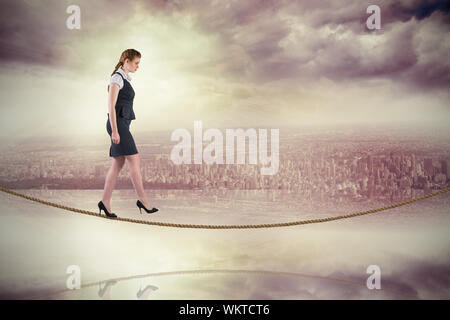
132 66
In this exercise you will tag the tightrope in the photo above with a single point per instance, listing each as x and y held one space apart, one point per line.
245 226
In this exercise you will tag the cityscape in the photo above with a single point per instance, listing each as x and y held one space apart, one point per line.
336 164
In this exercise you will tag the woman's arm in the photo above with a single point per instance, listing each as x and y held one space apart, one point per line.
112 99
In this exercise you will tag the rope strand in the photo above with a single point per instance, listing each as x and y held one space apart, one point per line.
207 226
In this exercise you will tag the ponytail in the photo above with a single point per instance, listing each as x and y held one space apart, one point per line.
117 67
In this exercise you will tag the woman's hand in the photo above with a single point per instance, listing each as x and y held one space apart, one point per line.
112 99
115 137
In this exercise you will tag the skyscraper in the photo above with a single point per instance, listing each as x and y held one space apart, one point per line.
444 167
428 167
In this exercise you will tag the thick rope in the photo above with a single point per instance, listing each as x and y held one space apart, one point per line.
245 226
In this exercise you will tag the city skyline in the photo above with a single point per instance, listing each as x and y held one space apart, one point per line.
312 164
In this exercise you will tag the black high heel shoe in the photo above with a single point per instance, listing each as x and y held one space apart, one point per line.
141 206
101 207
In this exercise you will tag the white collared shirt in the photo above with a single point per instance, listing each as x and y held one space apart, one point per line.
118 79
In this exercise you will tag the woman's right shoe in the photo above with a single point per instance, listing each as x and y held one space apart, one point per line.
101 207
141 206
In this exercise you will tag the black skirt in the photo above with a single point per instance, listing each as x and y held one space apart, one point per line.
126 146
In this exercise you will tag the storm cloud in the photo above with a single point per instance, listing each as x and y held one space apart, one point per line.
255 62
264 41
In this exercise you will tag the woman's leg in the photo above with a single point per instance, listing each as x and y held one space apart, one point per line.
134 162
111 178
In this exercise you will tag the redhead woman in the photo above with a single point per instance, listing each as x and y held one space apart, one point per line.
123 148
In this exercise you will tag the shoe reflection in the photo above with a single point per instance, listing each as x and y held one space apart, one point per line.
143 294
105 291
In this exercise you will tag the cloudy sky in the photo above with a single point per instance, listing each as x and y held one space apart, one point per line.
228 63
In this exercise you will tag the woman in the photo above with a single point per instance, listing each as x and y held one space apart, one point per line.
120 106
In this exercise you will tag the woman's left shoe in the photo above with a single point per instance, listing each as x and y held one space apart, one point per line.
101 207
141 206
